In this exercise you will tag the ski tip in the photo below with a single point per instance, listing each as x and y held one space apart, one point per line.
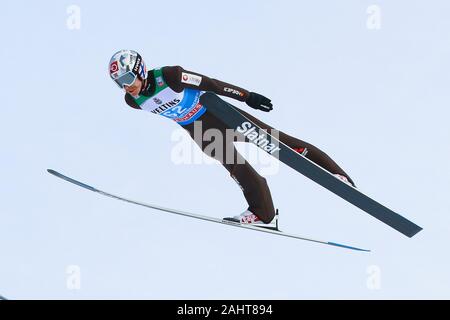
347 247
78 183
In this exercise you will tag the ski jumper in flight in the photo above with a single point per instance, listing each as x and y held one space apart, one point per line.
174 93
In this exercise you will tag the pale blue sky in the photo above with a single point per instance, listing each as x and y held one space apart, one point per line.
375 100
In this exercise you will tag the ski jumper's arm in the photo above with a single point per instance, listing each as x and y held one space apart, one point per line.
179 79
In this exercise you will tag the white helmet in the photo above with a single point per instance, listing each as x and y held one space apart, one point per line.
125 66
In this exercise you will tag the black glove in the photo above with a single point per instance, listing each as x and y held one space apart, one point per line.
257 101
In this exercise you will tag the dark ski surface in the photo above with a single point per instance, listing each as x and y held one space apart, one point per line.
234 119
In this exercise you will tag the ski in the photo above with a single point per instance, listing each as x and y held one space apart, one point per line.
197 216
237 121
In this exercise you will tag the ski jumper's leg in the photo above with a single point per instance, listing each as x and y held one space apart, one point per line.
254 186
308 150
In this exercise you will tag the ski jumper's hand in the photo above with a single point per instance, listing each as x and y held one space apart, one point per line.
257 101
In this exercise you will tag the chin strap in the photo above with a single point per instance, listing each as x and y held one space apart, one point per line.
144 86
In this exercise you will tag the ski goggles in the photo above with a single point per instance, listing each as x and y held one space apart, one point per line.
127 79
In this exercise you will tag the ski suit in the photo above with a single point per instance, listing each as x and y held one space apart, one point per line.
174 93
